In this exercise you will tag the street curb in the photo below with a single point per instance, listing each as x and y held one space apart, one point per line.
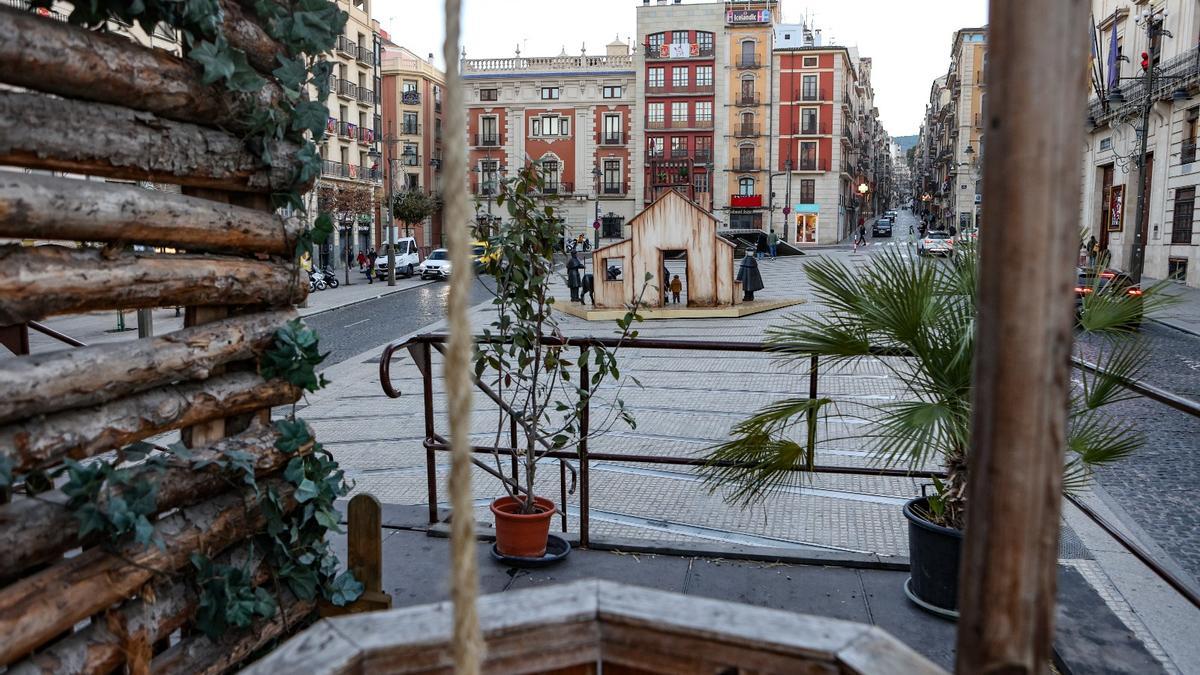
1174 326
362 300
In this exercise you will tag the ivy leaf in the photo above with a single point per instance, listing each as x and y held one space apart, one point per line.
310 116
215 58
345 589
243 78
302 581
291 72
328 519
293 434
306 490
322 228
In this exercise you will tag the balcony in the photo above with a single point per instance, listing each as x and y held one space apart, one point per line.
814 164
657 124
654 155
410 97
817 130
670 173
746 201
346 130
679 90
1187 151
679 153
345 46
366 96
746 165
745 62
347 89
486 188
366 56
487 140
410 129
667 52
813 95
702 156
745 130
366 135
614 189
611 138
558 188
747 98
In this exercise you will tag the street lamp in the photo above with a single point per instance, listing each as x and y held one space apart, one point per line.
596 223
388 174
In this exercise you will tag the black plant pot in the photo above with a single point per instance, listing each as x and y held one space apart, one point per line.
933 554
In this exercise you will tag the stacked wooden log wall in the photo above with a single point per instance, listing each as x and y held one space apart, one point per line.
82 102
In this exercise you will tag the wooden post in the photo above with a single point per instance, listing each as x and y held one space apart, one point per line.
364 553
1037 54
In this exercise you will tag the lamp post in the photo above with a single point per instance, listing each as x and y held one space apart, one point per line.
389 172
596 223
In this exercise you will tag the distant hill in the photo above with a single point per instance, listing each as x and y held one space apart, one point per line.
905 142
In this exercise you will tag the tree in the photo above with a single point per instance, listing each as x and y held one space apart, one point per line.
412 207
347 205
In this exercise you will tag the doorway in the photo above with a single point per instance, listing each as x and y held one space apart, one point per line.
674 264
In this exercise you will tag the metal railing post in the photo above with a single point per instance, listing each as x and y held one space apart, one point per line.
584 501
810 453
430 454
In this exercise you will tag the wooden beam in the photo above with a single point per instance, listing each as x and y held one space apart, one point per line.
47 383
84 432
41 606
63 209
59 58
243 32
1037 51
41 281
34 531
39 131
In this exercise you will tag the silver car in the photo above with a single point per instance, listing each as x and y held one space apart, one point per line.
935 243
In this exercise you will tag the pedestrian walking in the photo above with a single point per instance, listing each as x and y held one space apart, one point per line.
362 260
371 257
1093 251
860 237
772 242
676 289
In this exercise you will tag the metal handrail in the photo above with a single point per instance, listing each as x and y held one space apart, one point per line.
434 443
61 337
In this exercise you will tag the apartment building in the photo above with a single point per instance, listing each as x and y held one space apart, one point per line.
351 145
749 31
948 173
573 115
412 133
1167 32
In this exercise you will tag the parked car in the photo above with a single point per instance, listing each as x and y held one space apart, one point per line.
882 227
935 242
1100 281
407 258
891 215
436 266
968 235
482 254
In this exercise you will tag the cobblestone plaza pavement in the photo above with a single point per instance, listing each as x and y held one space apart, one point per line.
687 402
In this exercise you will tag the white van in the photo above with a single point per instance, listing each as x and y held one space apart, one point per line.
407 258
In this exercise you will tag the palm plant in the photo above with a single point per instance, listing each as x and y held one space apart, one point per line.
917 317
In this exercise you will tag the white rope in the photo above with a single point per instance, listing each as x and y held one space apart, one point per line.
464 577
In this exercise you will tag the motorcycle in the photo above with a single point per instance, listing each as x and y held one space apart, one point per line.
316 281
330 277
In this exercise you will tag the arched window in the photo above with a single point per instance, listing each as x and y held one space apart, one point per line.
747 57
746 187
747 93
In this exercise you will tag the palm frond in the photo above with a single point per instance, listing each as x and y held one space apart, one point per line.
912 432
754 467
1118 361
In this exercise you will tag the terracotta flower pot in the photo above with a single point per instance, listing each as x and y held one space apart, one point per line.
522 535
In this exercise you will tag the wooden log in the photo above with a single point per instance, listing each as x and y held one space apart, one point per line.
63 209
47 383
84 432
71 61
244 33
158 611
40 281
40 131
1022 372
198 655
39 607
35 531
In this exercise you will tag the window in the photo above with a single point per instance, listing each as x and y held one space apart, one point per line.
655 42
488 130
612 92
705 42
746 159
704 76
551 125
679 147
679 77
550 169
810 62
612 177
808 90
704 111
746 187
747 56
1177 269
489 171
654 77
407 86
489 94
612 129
747 89
1106 189
1187 149
549 93
808 191
808 121
808 156
700 182
437 97
1181 222
654 147
1106 144
703 149
679 112
409 125
655 114
679 37
410 157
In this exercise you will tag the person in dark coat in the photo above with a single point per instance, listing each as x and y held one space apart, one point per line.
589 288
574 282
750 277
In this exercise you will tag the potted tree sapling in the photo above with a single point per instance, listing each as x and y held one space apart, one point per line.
524 360
917 318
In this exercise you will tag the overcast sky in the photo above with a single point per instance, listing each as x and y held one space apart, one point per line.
908 41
